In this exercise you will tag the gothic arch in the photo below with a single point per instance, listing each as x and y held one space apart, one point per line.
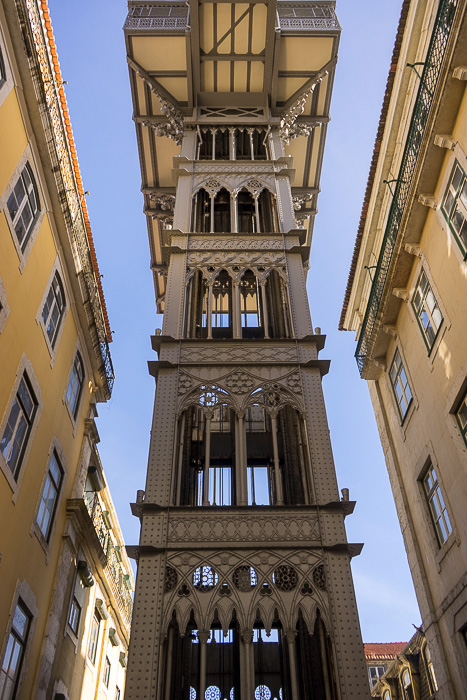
207 396
273 396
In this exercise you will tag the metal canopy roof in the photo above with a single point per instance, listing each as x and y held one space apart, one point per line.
263 62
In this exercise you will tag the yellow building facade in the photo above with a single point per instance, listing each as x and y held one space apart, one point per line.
65 580
406 302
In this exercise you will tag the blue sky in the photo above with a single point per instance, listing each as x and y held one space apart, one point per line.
91 51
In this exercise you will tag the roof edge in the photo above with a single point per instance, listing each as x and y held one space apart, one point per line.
74 157
375 158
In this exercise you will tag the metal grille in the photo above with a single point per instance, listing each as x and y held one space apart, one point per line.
119 579
158 17
95 511
308 23
307 16
156 23
423 102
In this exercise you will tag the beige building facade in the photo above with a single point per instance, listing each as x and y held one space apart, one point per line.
406 302
65 579
244 587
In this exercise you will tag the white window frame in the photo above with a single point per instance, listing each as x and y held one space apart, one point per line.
93 640
53 344
395 382
75 413
377 676
7 84
24 593
27 157
423 298
24 367
107 670
45 541
435 500
456 204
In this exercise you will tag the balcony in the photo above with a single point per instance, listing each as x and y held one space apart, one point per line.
96 524
374 313
170 17
120 581
306 16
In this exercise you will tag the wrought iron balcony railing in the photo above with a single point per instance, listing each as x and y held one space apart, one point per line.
119 580
428 80
306 15
96 513
169 17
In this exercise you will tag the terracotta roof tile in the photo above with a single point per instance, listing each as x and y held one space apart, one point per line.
74 157
383 650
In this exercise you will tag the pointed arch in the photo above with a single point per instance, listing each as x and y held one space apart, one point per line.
222 211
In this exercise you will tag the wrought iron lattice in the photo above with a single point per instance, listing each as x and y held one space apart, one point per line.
205 578
119 581
171 579
262 692
319 578
285 578
428 80
244 578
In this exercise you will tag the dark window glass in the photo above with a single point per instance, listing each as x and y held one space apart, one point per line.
74 615
52 313
23 206
18 428
14 653
49 496
106 675
427 310
400 385
2 69
454 206
93 639
75 385
436 505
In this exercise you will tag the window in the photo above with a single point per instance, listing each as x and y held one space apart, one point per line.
436 505
374 673
75 385
93 638
221 303
23 206
18 428
461 415
250 310
74 615
430 670
454 206
83 580
52 312
49 496
14 654
387 695
117 693
2 69
106 674
406 682
400 385
258 483
427 310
